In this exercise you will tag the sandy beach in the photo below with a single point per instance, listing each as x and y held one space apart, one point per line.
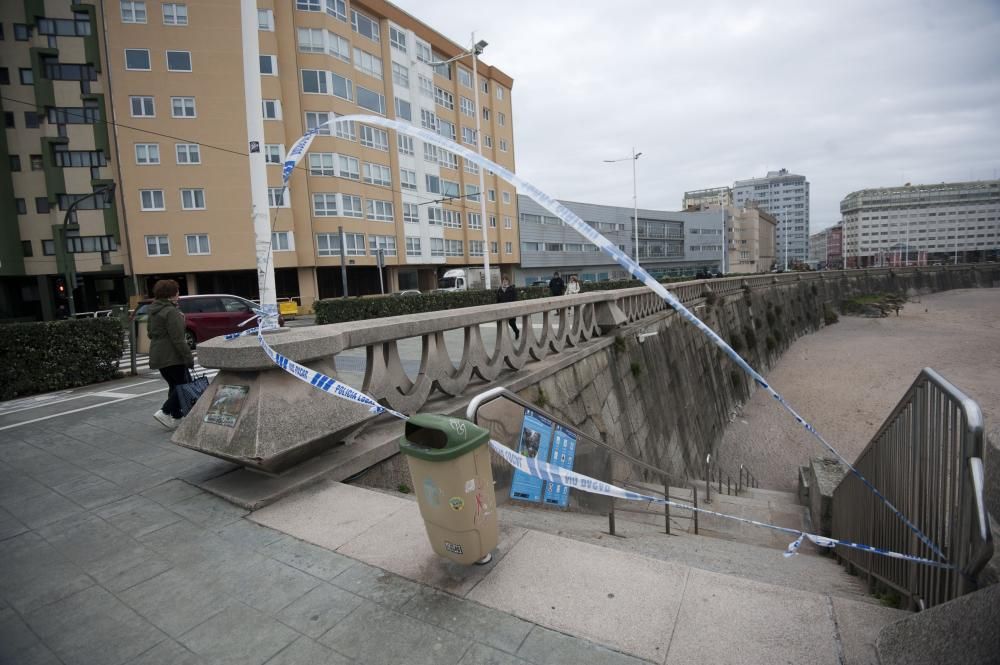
846 378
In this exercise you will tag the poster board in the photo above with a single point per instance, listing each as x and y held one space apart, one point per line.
545 440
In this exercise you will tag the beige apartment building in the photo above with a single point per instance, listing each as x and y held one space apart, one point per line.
168 78
751 236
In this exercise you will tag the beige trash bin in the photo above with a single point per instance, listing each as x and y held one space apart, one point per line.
450 467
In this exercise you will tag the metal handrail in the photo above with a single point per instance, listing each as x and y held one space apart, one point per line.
480 400
926 459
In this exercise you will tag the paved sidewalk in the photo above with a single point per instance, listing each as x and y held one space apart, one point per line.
108 555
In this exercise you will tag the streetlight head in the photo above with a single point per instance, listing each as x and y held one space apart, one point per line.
638 155
480 45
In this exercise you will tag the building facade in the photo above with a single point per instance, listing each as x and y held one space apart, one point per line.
947 223
826 248
786 196
670 243
750 235
703 199
58 239
159 86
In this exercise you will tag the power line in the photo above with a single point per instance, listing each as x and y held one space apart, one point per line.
224 149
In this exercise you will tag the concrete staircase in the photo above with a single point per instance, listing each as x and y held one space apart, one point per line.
659 598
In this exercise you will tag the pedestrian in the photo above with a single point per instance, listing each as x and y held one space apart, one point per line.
556 285
168 350
573 287
508 293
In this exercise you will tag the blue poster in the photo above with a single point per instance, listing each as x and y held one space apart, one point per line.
536 437
563 451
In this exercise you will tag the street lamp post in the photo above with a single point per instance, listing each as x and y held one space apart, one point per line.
477 48
69 275
635 200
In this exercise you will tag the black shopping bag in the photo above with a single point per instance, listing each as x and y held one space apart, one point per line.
188 393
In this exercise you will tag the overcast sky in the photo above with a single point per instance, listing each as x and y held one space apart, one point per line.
851 94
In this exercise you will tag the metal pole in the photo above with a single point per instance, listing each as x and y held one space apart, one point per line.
258 167
635 203
666 506
708 478
133 333
482 178
343 258
784 223
381 262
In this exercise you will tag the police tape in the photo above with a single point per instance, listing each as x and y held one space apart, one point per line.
300 147
554 474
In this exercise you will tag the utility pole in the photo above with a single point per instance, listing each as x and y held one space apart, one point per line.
258 167
477 48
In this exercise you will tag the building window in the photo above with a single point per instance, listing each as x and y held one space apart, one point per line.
142 107
403 109
499 92
352 206
192 199
271 109
475 219
319 122
151 199
364 26
277 197
147 153
42 206
468 135
408 179
400 75
314 82
412 246
435 216
411 213
507 223
157 246
506 197
282 241
26 76
311 40
374 138
349 167
328 244
379 211
404 144
137 58
274 153
15 163
491 195
453 248
487 141
133 12
501 119
373 102
444 98
376 174
467 106
321 164
437 246
426 86
475 248
368 63
265 19
22 207
188 153
397 39
179 61
30 120
182 107
465 77
346 130
175 13
324 205
197 244
26 250
493 247
268 65
508 248
486 114
503 145
22 33
452 219
385 243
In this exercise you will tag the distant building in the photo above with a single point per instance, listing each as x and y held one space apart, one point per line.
704 199
751 238
825 248
948 222
786 196
670 243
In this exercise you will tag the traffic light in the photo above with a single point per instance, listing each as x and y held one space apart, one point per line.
61 287
78 280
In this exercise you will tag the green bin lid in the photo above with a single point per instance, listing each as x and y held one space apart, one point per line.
436 438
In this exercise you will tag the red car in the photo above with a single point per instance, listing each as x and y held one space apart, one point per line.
209 315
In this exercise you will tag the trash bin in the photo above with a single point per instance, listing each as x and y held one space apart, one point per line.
450 467
142 336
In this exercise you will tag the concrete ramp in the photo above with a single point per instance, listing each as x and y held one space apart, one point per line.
661 611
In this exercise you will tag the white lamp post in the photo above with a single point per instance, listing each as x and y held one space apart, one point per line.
477 48
635 201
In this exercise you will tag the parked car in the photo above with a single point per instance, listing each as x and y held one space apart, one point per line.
407 292
209 315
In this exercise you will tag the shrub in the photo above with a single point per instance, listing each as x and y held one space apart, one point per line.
829 316
711 298
736 341
770 343
770 318
636 369
736 378
54 355
619 344
750 337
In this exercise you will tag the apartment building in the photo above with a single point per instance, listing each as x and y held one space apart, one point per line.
947 222
825 248
670 243
750 235
786 196
60 231
159 89
703 199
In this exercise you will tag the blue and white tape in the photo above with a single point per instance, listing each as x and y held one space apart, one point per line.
299 149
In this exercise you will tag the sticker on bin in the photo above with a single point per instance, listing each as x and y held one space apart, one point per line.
453 548
456 503
470 486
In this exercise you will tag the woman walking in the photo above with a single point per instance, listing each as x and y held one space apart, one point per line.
168 350
573 287
508 293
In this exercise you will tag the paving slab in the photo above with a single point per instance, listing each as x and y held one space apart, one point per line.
238 635
167 652
329 514
176 602
136 515
399 544
93 627
548 647
91 491
468 619
725 619
376 585
480 654
319 610
304 651
10 526
376 635
313 559
614 598
35 574
858 625
171 492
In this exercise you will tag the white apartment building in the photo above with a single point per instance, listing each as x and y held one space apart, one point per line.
950 222
786 196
